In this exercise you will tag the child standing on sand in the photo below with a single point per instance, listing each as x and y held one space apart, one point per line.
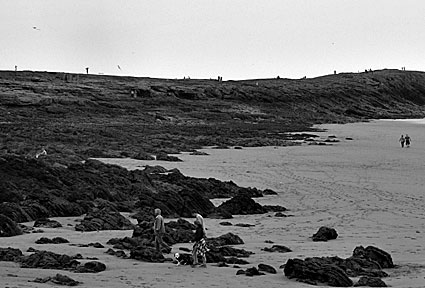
200 246
402 140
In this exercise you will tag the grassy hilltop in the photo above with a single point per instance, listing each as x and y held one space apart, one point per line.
80 116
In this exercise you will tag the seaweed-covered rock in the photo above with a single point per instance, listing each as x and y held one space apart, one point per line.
325 234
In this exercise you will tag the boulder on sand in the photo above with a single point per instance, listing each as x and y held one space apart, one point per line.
325 234
374 254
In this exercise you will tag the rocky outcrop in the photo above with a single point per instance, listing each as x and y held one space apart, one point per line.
8 227
372 253
104 219
241 205
325 234
335 271
10 254
316 270
46 223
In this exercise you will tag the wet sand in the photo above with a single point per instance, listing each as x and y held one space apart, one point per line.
369 189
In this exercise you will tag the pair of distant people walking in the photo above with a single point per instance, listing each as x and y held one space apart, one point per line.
199 237
405 141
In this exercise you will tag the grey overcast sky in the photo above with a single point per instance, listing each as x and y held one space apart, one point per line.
237 39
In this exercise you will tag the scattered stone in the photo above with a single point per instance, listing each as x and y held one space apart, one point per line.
237 147
199 153
55 240
370 282
325 234
274 208
118 253
269 192
166 157
277 248
280 214
269 241
244 225
250 272
143 156
91 267
225 223
267 268
96 245
47 223
58 279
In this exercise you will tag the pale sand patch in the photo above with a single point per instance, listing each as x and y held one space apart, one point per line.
369 189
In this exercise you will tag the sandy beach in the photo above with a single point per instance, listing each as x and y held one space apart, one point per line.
369 189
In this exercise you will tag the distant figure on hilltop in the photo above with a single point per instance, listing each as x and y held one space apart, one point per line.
402 140
87 70
408 140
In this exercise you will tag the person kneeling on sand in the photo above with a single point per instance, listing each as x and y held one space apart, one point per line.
159 230
200 246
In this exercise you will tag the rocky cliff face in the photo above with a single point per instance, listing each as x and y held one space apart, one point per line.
80 116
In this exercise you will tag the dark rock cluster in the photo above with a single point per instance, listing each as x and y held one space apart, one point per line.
335 271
